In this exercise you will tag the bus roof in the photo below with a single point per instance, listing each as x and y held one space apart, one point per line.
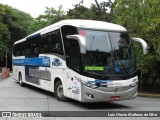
86 24
90 24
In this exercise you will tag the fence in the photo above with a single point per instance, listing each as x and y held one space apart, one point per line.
149 83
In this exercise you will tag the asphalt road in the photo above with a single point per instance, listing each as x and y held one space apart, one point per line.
16 98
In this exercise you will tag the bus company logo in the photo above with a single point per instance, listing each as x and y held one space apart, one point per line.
57 62
75 89
46 62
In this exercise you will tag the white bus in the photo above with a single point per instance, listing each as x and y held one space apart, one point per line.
85 60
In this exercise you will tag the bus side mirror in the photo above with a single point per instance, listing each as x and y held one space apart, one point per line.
81 41
143 43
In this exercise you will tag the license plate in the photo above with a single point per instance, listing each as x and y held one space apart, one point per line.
115 98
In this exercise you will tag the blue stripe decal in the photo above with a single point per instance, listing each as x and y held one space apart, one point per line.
100 81
45 61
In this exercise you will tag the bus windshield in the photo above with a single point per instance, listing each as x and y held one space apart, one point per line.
108 53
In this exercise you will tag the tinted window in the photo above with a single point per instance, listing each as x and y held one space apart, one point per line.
73 55
51 43
48 43
19 49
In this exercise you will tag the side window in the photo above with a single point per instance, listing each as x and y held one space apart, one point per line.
48 43
36 46
33 46
19 49
16 50
67 30
22 48
44 44
52 43
56 42
29 49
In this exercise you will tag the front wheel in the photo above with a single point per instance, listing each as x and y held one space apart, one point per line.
59 93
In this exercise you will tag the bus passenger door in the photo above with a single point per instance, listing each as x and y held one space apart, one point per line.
74 63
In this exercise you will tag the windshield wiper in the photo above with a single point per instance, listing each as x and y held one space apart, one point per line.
91 43
94 73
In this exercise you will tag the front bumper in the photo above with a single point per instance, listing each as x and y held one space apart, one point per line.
94 95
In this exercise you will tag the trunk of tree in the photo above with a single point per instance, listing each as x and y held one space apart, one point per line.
99 8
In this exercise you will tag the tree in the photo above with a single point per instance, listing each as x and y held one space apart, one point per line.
49 17
13 26
78 12
52 15
100 11
37 24
55 15
4 33
4 38
141 18
105 10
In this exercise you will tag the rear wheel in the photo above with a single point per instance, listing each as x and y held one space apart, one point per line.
59 93
20 80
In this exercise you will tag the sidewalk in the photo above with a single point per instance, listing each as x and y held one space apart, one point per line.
152 95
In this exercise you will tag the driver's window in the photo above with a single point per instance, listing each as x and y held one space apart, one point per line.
73 55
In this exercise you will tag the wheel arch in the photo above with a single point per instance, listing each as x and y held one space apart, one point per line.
56 80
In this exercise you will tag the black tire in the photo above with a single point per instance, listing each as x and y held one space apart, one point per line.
20 80
58 90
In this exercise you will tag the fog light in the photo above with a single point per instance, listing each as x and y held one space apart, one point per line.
89 95
134 93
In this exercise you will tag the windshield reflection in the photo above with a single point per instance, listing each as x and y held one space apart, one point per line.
108 53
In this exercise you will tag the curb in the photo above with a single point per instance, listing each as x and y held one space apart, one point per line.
149 95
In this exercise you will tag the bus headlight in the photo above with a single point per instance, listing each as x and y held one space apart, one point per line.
87 84
91 85
134 82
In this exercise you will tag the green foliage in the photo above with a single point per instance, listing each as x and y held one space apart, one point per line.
55 15
78 12
17 22
37 24
51 16
81 12
142 19
4 38
13 26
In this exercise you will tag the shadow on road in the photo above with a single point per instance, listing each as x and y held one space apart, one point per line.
87 106
98 105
